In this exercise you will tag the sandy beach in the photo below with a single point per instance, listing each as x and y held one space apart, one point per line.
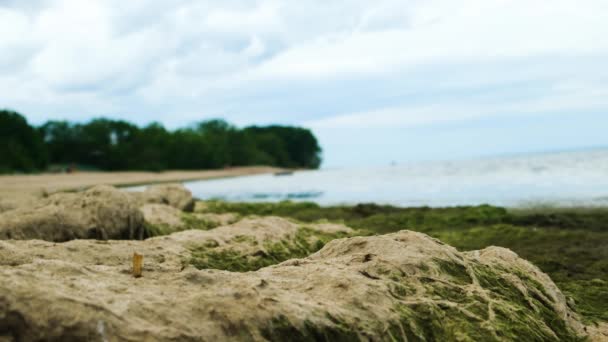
15 187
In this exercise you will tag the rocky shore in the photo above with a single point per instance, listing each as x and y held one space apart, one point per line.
66 274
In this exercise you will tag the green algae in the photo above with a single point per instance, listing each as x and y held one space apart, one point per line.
441 291
479 307
449 312
532 308
189 221
470 321
590 298
501 288
572 258
305 242
151 230
246 239
400 291
434 322
281 328
457 271
377 218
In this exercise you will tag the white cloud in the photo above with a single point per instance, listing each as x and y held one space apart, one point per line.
477 30
96 41
263 18
562 98
344 63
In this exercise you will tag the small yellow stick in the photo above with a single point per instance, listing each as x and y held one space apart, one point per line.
138 262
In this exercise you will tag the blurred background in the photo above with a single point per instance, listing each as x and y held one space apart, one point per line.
403 102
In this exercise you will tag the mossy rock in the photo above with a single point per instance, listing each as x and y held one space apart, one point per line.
394 287
244 253
569 244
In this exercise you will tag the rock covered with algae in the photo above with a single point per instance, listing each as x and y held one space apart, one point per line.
218 285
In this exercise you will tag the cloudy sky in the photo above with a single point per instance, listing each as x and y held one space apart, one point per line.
377 81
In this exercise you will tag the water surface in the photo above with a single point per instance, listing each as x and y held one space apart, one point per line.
564 179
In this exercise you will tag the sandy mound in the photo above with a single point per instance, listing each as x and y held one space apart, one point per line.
22 200
174 195
104 212
218 219
101 212
162 215
162 219
400 286
6 205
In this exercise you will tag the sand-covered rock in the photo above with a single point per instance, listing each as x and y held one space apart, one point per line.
218 219
6 205
401 286
598 332
162 219
101 212
104 212
174 195
22 200
162 215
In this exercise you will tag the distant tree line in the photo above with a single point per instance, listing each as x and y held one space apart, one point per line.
119 145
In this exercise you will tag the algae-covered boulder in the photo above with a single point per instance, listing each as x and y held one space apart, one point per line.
175 195
101 212
401 286
432 292
256 242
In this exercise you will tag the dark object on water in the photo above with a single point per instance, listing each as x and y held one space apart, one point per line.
284 173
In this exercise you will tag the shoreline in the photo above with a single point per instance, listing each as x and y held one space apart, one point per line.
16 187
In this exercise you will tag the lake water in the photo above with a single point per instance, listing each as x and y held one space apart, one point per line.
564 179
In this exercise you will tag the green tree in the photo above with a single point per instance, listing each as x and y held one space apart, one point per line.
62 140
21 146
300 145
149 149
120 145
